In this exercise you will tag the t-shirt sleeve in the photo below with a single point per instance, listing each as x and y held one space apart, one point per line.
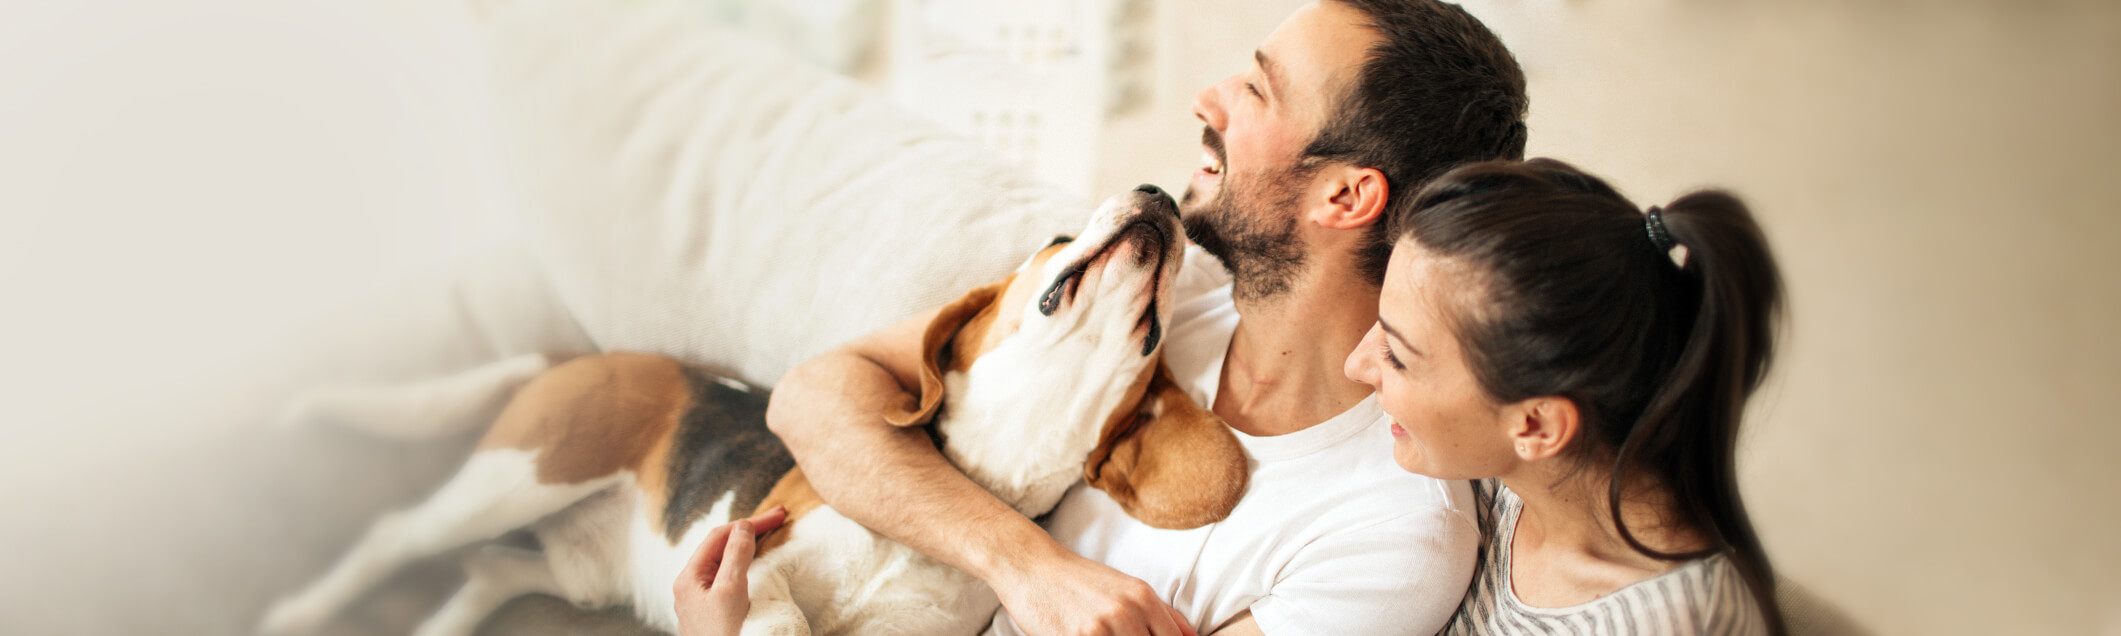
1403 576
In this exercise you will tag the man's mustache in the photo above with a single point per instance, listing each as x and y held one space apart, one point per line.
1214 141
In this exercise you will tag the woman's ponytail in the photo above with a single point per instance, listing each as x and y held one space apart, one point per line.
1690 426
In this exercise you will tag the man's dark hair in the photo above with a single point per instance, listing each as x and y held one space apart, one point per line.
1437 90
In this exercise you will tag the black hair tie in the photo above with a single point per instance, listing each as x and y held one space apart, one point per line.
1654 223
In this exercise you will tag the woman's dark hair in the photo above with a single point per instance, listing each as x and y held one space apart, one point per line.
1658 351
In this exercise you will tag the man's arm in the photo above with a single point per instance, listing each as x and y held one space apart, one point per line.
830 412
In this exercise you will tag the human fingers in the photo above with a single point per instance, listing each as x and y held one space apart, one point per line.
768 521
736 559
1159 620
1130 608
1185 628
706 560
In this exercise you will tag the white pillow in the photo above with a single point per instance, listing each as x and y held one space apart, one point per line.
695 193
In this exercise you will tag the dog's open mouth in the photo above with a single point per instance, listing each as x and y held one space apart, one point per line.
1149 240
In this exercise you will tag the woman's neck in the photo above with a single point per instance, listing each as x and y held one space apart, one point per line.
1567 550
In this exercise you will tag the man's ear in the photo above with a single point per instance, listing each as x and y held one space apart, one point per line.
1543 427
1168 462
1351 198
936 346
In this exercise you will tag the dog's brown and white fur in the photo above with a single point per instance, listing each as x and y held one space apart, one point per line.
621 463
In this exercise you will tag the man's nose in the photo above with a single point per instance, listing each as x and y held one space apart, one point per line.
1208 106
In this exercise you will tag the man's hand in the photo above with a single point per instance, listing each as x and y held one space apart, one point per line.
713 594
1074 596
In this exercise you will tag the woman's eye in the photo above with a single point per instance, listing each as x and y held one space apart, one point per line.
1255 90
1386 352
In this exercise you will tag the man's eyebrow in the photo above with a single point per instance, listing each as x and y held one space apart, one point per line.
1395 335
1266 67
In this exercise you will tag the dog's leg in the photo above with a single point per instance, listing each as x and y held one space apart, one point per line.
496 491
773 608
925 597
420 410
495 574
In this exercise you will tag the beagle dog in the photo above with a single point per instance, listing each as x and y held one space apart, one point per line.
621 463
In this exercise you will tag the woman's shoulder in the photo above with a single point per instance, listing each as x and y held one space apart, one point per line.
1726 600
1491 500
1702 596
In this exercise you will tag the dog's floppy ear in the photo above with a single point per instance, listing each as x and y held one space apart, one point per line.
935 343
1169 462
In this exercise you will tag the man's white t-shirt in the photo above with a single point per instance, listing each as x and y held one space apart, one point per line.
1331 537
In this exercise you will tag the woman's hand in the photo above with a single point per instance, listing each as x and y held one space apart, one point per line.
713 594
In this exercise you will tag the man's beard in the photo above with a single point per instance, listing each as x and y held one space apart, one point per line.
1251 227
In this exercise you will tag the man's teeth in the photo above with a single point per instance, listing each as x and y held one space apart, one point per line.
1210 163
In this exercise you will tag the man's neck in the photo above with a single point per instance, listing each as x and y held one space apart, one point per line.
1283 372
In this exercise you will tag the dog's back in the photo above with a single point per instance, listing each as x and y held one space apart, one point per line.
618 463
699 458
693 444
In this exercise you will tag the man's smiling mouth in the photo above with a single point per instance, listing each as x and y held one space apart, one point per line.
1212 153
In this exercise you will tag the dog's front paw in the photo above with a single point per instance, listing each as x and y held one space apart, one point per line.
293 617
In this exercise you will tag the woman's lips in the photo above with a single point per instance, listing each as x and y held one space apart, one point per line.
1397 431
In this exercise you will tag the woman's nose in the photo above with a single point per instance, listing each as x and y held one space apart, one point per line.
1361 364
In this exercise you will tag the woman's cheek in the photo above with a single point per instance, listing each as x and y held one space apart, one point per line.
1407 453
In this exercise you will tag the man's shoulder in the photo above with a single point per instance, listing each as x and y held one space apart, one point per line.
1378 494
1357 484
1201 273
1199 336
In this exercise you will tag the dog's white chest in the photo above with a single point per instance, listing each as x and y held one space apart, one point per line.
1021 430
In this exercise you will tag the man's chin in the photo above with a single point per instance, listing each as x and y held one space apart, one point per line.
1194 203
1202 232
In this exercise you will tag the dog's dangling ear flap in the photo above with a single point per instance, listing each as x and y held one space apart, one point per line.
935 343
1168 462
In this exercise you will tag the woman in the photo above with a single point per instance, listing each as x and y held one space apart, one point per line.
1588 363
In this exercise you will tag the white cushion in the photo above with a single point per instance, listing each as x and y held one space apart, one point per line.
694 193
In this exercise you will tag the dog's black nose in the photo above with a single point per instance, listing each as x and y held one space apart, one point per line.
1149 188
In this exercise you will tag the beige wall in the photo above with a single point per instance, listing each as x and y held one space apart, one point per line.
1943 184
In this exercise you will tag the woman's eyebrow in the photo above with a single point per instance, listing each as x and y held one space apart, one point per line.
1394 333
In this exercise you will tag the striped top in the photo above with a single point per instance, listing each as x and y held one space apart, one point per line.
1702 596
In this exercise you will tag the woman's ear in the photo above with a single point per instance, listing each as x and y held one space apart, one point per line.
1542 427
935 346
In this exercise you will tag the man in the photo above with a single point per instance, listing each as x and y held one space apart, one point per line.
1347 108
